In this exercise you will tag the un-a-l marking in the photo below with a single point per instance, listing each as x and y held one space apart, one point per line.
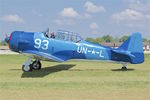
85 50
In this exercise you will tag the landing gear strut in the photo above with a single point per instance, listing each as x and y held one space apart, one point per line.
27 66
124 68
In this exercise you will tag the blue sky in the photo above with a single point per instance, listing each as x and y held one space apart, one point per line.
89 18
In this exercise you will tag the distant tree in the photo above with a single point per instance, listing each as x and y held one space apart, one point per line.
145 40
91 40
108 38
3 43
100 40
123 38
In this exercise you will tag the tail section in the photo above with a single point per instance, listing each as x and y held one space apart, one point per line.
134 47
133 43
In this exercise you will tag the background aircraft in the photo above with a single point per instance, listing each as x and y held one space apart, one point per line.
64 45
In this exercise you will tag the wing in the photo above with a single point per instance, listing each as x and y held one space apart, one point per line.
43 55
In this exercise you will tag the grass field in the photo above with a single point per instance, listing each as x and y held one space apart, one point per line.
77 80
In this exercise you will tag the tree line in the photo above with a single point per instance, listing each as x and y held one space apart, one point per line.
111 39
3 43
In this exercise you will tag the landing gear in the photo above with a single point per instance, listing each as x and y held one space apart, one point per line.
124 68
27 66
36 65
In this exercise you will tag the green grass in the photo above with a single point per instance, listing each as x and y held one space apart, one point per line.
82 80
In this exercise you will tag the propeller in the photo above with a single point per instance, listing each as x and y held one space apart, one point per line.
6 38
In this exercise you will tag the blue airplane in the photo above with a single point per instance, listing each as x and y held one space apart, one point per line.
64 45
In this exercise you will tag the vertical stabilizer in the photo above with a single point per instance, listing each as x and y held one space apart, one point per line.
134 46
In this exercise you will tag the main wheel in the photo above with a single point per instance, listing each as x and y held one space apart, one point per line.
26 68
36 65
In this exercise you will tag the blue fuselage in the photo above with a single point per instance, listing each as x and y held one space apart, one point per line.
61 50
22 41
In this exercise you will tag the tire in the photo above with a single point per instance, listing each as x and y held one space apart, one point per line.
26 68
124 68
36 65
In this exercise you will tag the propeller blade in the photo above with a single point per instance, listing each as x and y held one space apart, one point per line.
6 38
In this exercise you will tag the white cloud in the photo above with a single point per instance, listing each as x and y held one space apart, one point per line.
70 17
61 22
132 18
128 14
137 14
93 25
92 8
86 15
139 6
69 12
13 18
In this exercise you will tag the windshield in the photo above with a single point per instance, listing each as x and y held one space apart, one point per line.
63 35
68 36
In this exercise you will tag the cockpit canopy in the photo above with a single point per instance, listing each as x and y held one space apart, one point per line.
64 35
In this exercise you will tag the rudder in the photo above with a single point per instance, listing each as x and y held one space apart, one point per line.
134 46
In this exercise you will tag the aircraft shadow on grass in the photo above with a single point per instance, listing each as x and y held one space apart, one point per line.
47 70
129 69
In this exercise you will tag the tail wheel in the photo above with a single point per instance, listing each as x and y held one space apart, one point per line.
124 68
26 68
36 65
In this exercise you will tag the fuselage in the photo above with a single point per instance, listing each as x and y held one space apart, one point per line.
63 48
36 41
